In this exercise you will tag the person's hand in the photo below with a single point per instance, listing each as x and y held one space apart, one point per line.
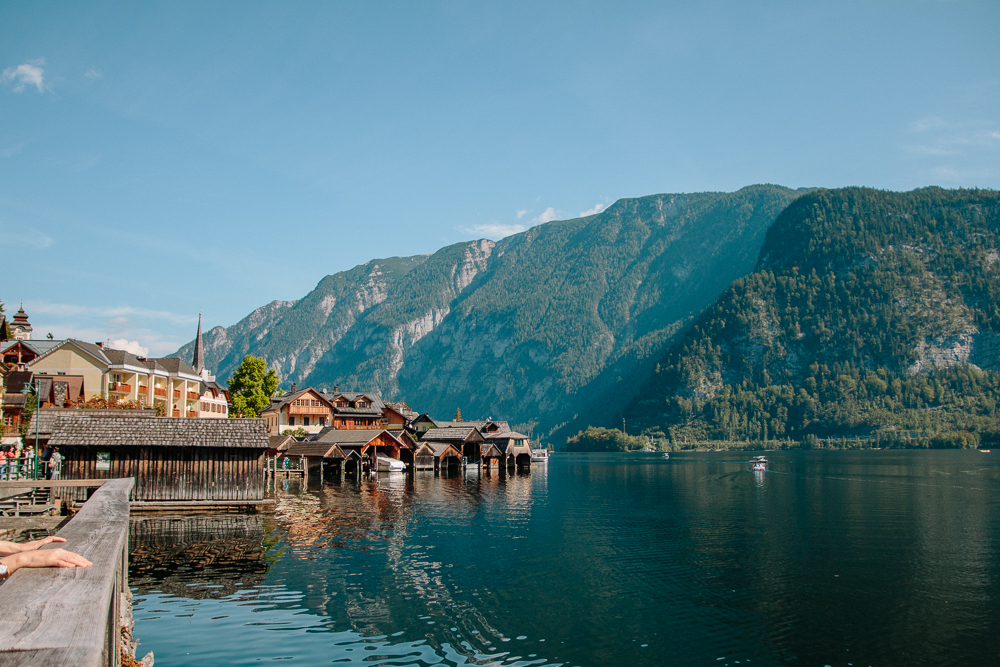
32 546
44 558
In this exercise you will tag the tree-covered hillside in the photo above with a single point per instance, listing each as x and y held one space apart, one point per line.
551 326
869 313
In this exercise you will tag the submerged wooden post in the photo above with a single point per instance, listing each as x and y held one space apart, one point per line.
60 616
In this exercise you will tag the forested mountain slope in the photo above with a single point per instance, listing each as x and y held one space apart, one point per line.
539 328
868 312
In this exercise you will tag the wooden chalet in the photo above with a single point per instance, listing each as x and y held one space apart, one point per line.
437 456
171 458
307 409
364 444
396 415
359 411
466 439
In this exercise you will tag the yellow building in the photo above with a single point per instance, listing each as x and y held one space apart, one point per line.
109 373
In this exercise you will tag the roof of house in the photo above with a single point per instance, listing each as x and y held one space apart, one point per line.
279 442
443 424
440 448
37 346
174 365
351 437
424 417
461 434
279 402
315 450
16 381
489 449
402 408
101 428
351 396
505 435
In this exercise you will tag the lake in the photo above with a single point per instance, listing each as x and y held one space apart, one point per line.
828 558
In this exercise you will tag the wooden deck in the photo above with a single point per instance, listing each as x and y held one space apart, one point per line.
56 616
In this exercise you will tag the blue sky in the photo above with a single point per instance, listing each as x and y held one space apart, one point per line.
161 158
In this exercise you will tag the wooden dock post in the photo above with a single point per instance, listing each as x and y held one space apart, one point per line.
56 616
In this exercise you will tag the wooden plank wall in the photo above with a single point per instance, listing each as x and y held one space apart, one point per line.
171 473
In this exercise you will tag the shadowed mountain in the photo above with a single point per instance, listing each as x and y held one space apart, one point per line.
560 322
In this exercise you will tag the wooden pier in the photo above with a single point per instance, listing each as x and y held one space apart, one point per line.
57 616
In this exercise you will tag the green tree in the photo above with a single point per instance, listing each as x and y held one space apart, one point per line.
251 387
458 415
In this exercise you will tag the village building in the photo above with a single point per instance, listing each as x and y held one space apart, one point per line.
20 329
396 415
437 456
352 410
365 444
171 459
307 409
421 423
466 439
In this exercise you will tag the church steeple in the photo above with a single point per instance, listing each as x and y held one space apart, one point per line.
199 355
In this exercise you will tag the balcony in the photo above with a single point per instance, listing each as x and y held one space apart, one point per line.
177 393
177 413
193 396
119 388
143 390
192 413
159 391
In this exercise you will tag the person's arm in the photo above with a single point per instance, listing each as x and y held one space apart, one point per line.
9 548
46 558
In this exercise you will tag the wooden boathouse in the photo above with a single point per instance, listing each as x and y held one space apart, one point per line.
357 445
171 458
466 439
437 456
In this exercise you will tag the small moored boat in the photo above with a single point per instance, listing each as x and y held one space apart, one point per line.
539 455
386 464
758 463
666 455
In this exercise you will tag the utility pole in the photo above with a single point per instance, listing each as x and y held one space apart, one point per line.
623 425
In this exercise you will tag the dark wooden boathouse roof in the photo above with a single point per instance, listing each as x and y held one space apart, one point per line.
78 428
462 434
312 449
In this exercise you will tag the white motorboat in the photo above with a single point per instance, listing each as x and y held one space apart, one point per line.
386 464
539 455
666 455
758 463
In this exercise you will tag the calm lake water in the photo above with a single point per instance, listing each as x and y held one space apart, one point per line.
828 558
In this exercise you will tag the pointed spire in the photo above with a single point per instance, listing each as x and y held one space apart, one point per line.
199 355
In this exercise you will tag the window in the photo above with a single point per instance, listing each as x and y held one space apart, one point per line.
305 422
291 421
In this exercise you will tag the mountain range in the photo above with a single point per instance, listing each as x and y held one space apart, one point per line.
868 314
551 329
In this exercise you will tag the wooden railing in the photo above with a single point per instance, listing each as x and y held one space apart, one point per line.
56 616
143 390
158 391
192 396
177 393
120 387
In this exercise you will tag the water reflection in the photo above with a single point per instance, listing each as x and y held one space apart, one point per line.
825 558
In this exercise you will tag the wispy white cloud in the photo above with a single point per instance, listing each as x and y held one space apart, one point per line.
937 136
26 74
93 73
522 213
593 211
111 312
14 237
548 215
130 346
495 230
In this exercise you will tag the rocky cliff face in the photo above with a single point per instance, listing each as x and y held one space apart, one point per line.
556 324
